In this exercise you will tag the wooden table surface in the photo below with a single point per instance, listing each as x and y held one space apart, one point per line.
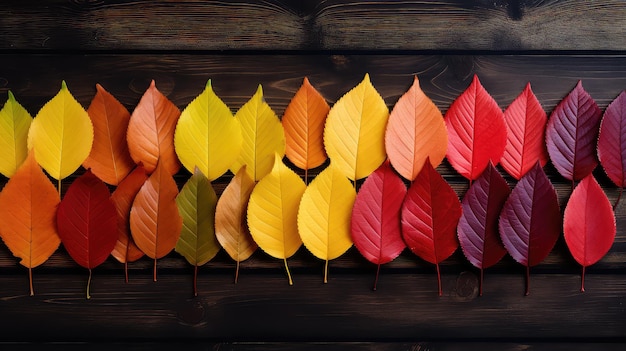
123 45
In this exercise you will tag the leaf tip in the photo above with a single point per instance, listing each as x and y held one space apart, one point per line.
305 81
367 78
208 84
63 85
259 90
11 97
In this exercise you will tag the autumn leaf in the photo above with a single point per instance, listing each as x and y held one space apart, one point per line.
207 135
263 136
87 222
109 159
14 124
61 135
530 221
572 133
303 123
28 205
478 225
273 210
324 215
589 224
415 131
125 249
430 214
526 128
375 221
155 222
150 134
354 135
231 227
612 142
476 131
196 204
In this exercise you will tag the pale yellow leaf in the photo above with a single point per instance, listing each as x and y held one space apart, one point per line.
207 135
14 124
263 136
61 135
354 135
273 211
324 214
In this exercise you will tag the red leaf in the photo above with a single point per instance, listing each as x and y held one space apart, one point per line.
530 222
572 133
612 141
125 249
87 222
478 226
430 213
476 131
589 224
375 221
526 127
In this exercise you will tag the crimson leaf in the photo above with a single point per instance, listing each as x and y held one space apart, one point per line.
430 213
612 142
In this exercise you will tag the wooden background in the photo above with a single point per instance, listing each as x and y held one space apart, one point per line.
124 44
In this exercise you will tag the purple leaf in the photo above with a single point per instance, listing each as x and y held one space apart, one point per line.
572 133
612 141
478 226
530 222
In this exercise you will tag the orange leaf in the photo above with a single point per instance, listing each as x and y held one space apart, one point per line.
109 159
28 205
150 133
303 122
415 132
125 249
155 223
231 227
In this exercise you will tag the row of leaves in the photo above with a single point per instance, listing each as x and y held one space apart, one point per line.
146 214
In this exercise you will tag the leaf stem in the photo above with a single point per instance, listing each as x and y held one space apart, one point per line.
376 278
619 196
237 272
439 280
527 280
126 271
326 272
154 272
89 284
288 273
30 281
582 281
59 187
195 280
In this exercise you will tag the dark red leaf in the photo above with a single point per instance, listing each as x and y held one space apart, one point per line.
526 126
87 222
476 131
430 214
530 221
612 141
572 133
589 224
478 226
375 221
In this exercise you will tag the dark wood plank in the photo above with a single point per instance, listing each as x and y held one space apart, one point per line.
313 25
313 346
265 308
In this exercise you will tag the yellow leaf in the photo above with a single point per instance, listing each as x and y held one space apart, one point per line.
231 228
324 215
354 135
273 210
14 124
61 135
262 134
207 136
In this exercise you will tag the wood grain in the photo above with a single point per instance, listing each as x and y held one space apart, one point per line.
263 307
312 25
